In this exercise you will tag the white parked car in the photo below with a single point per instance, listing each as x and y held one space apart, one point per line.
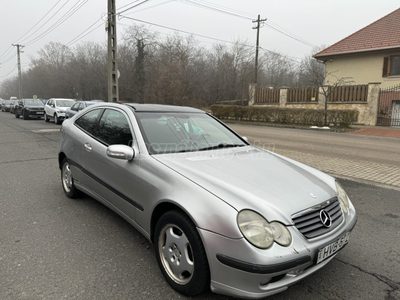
55 109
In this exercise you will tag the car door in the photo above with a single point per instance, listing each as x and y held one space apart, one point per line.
115 181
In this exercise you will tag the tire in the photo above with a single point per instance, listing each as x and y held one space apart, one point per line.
67 181
16 115
25 115
46 118
180 254
56 119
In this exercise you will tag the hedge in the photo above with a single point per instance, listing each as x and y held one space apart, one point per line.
312 117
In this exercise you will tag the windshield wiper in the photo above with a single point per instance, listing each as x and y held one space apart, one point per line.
220 146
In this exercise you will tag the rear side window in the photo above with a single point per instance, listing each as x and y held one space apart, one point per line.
88 121
114 128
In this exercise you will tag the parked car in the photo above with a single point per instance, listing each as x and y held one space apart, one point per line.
220 212
29 108
13 103
5 105
55 109
78 106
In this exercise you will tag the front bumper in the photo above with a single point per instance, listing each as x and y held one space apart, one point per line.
238 269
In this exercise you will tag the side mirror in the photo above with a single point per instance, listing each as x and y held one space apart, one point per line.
120 152
245 138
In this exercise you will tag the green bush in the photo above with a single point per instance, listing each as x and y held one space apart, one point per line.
311 117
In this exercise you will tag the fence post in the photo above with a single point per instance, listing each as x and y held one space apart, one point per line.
252 91
373 102
283 96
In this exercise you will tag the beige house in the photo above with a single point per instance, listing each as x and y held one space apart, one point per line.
371 54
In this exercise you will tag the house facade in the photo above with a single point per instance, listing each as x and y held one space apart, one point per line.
371 54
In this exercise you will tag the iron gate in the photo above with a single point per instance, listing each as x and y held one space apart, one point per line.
389 107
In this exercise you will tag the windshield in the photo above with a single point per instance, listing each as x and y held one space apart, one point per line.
64 103
184 132
33 102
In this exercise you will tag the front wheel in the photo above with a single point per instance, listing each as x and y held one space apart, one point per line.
46 118
16 115
56 119
180 254
25 115
67 180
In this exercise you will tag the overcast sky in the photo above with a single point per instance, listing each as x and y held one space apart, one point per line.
299 24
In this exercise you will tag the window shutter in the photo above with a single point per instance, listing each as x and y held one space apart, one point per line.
385 69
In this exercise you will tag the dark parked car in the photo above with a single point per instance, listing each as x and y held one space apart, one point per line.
78 106
222 214
13 103
5 105
29 108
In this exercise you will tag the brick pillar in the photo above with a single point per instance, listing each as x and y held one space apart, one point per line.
321 97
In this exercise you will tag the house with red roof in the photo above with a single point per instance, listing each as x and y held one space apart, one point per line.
371 54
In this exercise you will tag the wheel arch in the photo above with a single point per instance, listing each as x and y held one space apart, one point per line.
161 209
61 157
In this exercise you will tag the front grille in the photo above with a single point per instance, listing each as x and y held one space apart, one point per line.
309 223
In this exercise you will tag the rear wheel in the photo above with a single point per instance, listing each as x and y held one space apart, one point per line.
180 254
67 180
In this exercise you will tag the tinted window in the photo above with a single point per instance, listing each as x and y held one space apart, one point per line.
64 103
114 128
88 121
75 106
181 132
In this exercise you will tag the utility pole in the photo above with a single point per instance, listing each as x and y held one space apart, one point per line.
19 47
258 21
112 63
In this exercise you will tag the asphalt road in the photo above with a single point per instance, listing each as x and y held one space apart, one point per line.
52 247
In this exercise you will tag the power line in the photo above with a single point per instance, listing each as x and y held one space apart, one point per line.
203 36
82 34
155 5
15 67
45 22
136 5
9 49
239 14
40 20
65 17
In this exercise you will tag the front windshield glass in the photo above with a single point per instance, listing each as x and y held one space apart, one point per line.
64 103
184 132
34 102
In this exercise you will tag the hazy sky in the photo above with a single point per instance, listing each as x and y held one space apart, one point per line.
304 23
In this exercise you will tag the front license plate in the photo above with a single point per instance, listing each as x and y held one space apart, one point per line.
332 248
39 112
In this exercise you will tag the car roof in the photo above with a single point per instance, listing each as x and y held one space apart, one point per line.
162 108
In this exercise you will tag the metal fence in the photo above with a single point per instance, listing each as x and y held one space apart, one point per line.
389 107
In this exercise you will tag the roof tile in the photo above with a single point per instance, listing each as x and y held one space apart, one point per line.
383 33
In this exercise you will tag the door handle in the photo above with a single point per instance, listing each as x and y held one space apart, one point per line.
88 147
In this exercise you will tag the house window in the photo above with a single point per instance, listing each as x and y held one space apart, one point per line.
391 66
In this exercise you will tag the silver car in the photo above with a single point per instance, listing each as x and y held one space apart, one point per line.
221 213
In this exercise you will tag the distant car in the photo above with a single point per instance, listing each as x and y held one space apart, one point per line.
55 109
29 108
13 103
78 106
221 213
5 105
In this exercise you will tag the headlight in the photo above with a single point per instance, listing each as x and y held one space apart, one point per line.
343 199
260 232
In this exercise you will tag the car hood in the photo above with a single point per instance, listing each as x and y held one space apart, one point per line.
252 178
